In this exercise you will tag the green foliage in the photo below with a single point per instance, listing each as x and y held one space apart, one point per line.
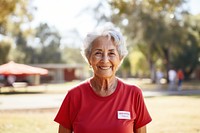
125 68
72 55
49 45
139 64
21 41
6 9
166 6
22 53
13 14
14 17
47 51
126 64
187 57
5 46
160 31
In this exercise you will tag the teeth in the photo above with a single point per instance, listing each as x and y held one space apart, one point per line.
105 68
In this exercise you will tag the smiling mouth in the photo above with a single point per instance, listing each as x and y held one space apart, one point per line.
104 67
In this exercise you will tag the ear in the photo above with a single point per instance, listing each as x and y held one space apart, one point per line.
90 64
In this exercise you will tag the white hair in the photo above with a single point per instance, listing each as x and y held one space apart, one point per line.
109 31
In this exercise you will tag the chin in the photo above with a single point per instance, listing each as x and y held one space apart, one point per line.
105 76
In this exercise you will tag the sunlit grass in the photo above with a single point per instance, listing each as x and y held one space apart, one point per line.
27 122
174 114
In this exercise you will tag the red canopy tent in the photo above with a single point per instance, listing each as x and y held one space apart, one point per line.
12 68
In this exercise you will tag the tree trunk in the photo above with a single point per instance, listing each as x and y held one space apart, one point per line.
166 62
152 70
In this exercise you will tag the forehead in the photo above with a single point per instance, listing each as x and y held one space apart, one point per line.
104 42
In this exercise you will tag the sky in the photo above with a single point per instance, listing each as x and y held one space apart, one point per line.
64 15
194 6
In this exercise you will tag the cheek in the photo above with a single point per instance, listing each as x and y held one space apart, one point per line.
93 60
116 60
116 63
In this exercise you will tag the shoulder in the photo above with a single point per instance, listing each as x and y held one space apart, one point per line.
79 87
77 91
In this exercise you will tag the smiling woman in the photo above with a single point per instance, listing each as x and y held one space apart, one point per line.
103 103
104 58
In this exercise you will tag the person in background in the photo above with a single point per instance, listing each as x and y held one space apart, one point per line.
172 79
159 76
103 103
180 77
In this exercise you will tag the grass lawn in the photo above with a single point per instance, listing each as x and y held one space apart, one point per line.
174 114
27 122
171 114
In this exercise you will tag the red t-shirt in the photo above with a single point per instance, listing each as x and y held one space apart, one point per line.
83 111
180 75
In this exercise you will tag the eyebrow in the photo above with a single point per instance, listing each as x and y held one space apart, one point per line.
111 49
101 50
98 49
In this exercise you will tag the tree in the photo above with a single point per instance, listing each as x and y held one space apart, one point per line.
187 56
23 52
154 26
125 67
5 47
15 16
6 9
71 55
49 45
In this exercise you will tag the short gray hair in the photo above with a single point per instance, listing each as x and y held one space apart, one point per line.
109 31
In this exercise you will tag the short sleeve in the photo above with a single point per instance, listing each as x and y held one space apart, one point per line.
142 115
64 113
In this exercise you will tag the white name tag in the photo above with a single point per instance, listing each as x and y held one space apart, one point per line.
123 115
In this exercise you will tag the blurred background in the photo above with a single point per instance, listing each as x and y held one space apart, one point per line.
160 34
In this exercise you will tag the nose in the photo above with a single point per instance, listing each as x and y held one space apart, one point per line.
105 58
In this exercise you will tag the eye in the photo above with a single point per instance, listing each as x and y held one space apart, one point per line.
98 53
112 53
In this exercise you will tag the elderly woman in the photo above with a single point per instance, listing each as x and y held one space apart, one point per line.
103 103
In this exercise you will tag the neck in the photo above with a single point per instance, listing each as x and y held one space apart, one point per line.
104 87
